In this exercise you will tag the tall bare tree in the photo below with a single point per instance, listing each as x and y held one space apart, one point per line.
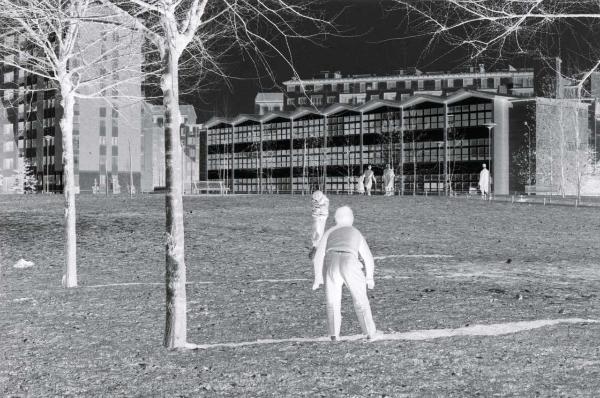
193 33
501 27
563 155
59 43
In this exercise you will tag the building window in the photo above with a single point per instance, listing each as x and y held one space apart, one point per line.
102 111
9 146
115 112
390 85
102 128
302 101
291 102
102 140
420 84
115 141
9 164
374 96
331 99
291 88
317 100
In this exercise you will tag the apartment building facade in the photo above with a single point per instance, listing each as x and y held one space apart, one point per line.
332 88
153 147
107 126
268 102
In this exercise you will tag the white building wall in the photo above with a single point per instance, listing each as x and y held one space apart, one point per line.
501 154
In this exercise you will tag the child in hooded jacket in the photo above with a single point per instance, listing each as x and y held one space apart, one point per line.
320 212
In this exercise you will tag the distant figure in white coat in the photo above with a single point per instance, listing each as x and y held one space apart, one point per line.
484 182
388 180
336 264
360 185
369 179
320 212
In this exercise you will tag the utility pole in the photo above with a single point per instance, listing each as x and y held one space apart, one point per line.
47 139
130 170
402 159
414 150
490 126
325 127
348 158
528 153
446 188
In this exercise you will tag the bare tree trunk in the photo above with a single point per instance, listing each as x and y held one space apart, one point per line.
562 146
176 321
66 126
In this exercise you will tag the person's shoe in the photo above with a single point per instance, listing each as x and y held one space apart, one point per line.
334 338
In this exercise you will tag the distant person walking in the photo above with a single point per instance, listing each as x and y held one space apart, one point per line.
369 179
360 185
320 212
336 264
388 180
484 182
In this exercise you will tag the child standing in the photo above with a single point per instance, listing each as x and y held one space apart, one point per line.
320 212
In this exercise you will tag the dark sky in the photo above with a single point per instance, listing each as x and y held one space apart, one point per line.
366 45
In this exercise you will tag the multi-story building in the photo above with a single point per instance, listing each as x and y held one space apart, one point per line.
332 88
9 155
106 145
428 140
106 132
153 146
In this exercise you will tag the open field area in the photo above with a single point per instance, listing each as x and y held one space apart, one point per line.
440 264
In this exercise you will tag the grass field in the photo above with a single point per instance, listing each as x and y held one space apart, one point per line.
250 279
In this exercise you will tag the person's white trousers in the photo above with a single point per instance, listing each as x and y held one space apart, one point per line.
389 190
318 229
345 269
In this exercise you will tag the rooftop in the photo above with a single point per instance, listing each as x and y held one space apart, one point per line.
408 73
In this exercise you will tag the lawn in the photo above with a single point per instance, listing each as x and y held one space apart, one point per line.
441 264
